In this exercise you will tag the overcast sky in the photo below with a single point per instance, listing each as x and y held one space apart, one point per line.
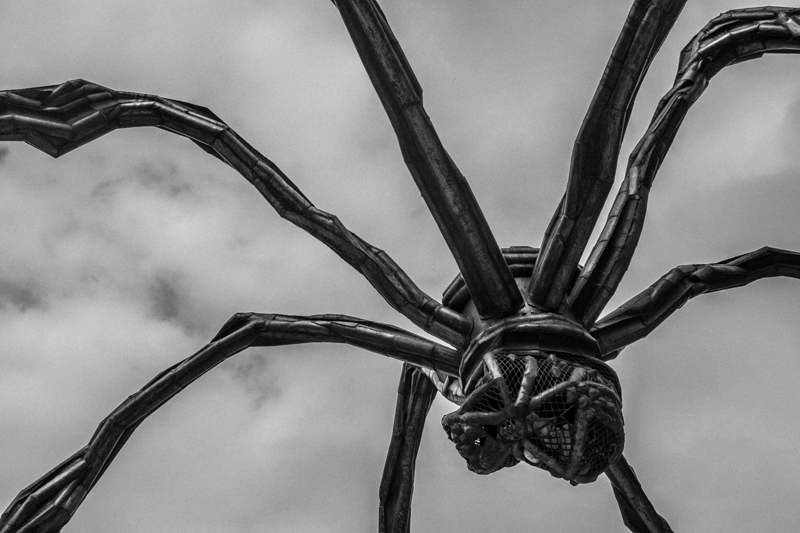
127 255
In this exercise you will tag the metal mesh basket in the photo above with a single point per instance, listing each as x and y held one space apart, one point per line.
561 413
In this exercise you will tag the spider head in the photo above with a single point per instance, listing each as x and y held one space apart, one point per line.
558 412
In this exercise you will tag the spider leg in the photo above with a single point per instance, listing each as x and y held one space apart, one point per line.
415 395
414 398
640 315
730 38
49 503
57 119
448 386
638 513
445 190
596 149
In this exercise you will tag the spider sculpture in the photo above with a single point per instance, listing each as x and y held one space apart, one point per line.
524 356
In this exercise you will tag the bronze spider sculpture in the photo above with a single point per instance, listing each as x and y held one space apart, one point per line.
526 355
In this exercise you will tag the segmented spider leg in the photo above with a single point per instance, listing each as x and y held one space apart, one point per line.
414 398
596 149
637 512
445 190
640 315
373 336
447 385
49 503
730 38
58 119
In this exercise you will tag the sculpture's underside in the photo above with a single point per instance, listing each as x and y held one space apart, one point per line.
59 118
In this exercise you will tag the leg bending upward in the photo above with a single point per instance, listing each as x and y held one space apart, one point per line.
731 38
640 315
58 119
49 503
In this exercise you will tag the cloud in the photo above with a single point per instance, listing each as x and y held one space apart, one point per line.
165 297
21 296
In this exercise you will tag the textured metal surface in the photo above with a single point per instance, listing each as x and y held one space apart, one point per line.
637 512
561 415
730 38
520 261
444 188
414 398
640 315
58 119
48 503
595 153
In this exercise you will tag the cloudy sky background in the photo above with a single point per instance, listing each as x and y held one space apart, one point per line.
127 255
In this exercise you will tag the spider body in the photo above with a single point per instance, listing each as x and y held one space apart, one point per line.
536 390
521 346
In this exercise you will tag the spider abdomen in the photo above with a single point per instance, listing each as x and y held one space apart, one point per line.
548 411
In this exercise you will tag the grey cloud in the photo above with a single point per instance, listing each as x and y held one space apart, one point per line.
165 296
253 370
168 299
23 296
159 175
162 176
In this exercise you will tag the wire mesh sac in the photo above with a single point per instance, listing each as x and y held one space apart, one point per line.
559 413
